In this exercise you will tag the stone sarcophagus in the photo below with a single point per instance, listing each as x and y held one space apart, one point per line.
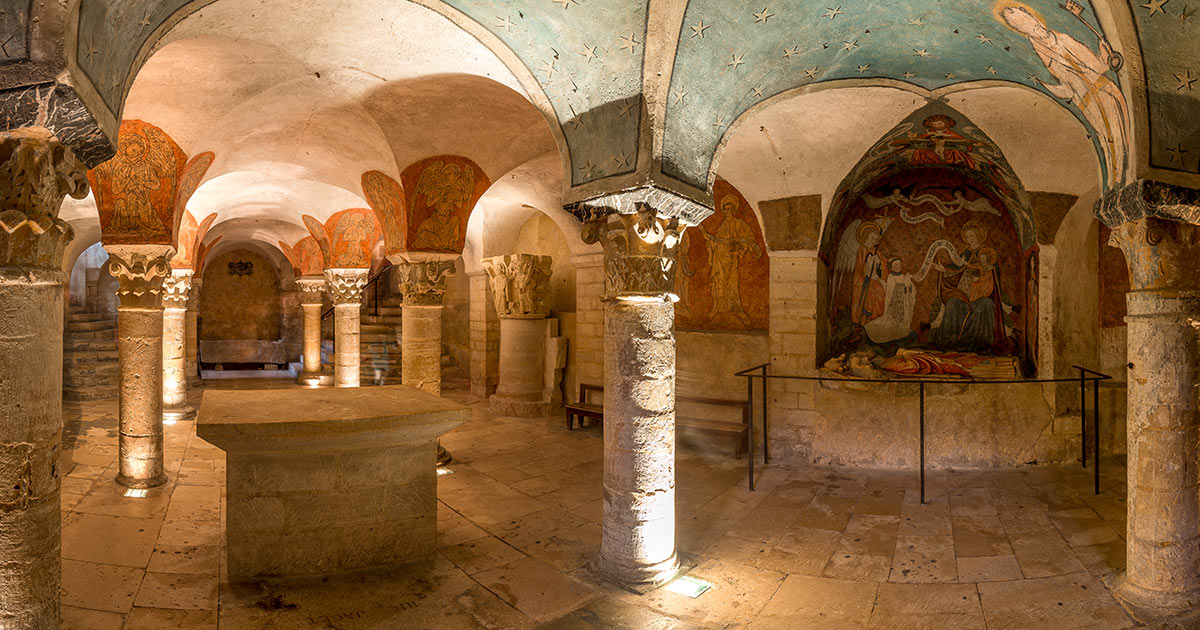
327 480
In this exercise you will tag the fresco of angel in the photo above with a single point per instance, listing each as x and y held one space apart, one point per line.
446 189
143 164
860 263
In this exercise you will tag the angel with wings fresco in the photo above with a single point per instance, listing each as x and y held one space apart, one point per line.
143 165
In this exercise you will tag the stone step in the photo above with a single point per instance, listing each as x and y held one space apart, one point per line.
90 356
89 335
89 345
89 393
83 370
91 325
391 321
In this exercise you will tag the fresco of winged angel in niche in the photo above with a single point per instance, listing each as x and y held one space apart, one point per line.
1082 76
143 166
446 188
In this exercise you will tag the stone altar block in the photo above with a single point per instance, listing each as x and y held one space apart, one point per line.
327 480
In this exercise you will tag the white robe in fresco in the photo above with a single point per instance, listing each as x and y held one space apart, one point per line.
896 321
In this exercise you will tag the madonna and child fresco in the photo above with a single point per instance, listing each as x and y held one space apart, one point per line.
927 277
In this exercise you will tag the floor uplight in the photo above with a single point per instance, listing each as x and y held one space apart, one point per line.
136 493
444 471
689 586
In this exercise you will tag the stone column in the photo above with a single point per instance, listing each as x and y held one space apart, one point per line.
140 271
422 284
191 338
176 288
1162 573
312 297
36 172
91 299
485 337
638 544
346 287
520 287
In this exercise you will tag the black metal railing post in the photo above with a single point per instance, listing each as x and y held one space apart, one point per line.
766 457
750 430
922 429
1083 417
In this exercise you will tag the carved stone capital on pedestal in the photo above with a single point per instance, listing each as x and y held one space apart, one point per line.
423 283
346 285
640 252
176 288
1162 254
36 172
312 289
520 285
140 271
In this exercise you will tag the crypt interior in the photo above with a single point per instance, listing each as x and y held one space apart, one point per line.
587 314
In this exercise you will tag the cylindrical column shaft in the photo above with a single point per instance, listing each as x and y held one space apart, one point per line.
521 389
191 339
638 545
175 386
31 326
139 345
421 348
1163 545
346 331
312 338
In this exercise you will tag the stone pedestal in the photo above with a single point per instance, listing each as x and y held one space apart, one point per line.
36 172
422 284
638 545
140 271
520 288
176 288
345 288
1162 574
312 295
327 480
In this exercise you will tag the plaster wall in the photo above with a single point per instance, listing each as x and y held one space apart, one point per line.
240 307
456 320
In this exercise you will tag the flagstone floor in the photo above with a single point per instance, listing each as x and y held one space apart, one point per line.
520 519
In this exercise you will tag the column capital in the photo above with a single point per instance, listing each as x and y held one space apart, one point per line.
176 288
36 172
640 252
1144 198
423 283
312 289
520 285
1161 254
346 285
140 271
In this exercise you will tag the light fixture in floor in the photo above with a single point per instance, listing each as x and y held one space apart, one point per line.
136 493
168 421
689 586
442 470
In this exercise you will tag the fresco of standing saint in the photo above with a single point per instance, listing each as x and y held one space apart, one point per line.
1082 80
732 242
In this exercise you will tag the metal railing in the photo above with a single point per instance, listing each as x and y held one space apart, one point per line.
762 373
373 284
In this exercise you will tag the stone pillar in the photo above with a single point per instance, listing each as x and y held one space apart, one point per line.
1162 573
312 298
345 288
638 544
485 337
176 288
140 271
191 338
91 299
520 287
422 286
36 172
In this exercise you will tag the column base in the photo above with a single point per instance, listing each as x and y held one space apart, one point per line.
186 412
641 578
315 380
443 456
520 408
152 482
1146 605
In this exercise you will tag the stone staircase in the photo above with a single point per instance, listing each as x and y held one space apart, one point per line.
91 370
379 343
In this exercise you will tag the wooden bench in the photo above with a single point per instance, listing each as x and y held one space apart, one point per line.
585 408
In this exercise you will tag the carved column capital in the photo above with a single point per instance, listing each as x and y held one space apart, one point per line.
36 172
312 289
640 251
1161 254
520 285
176 288
140 271
423 283
346 285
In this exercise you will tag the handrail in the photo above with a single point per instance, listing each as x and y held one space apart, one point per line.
760 372
371 282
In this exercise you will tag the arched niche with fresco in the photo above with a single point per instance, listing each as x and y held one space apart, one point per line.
931 258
